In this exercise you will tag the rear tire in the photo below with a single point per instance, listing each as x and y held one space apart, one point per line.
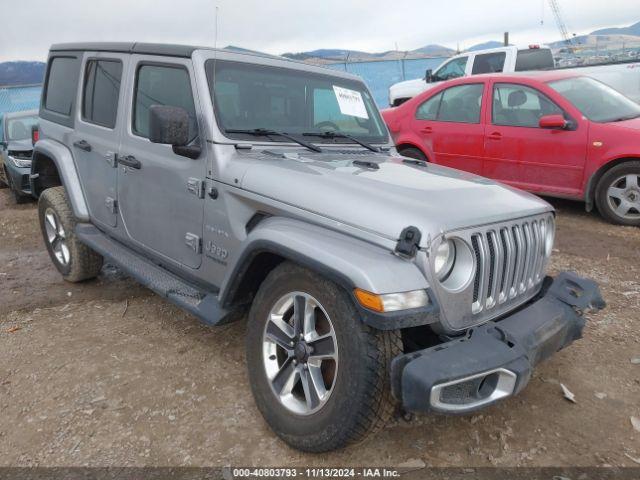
412 152
355 398
73 259
4 183
618 194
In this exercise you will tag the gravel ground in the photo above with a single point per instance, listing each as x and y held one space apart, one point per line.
107 373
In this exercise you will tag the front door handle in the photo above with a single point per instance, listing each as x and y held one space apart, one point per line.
130 161
82 145
494 136
426 130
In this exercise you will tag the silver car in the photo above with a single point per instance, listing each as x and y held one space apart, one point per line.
252 188
16 147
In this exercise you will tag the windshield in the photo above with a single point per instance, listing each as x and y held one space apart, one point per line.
597 101
249 97
19 128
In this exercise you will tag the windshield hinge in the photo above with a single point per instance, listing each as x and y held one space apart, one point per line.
409 242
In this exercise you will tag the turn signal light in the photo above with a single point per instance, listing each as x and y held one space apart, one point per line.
392 302
369 300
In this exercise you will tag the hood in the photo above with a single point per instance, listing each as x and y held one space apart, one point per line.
21 145
347 187
409 88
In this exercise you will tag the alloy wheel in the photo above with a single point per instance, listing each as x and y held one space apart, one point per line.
57 237
300 353
623 196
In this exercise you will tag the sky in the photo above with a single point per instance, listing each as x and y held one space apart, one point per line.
29 27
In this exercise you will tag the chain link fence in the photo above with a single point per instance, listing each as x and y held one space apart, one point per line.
380 75
19 98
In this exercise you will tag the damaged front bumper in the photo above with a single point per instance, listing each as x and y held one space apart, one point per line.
495 360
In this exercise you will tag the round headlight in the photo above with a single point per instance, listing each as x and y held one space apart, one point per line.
548 238
444 259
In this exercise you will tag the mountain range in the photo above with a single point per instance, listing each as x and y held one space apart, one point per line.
21 73
336 55
25 72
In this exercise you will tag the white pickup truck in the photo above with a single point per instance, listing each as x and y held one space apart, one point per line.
502 59
624 76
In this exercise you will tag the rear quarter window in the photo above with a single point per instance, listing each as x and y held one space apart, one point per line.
58 101
534 59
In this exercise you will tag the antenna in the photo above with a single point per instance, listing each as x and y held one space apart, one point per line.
215 31
215 56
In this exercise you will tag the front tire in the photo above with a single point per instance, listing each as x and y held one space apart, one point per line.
330 387
618 194
4 182
18 196
73 259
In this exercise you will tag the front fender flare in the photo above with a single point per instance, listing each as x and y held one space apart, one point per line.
349 262
63 159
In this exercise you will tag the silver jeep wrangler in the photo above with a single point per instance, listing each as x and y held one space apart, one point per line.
234 183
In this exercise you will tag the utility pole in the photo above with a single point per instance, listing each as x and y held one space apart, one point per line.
506 39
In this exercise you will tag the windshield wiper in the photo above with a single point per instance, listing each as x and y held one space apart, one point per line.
332 134
266 132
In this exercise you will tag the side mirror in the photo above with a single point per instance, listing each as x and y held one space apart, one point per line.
554 122
168 125
3 144
428 76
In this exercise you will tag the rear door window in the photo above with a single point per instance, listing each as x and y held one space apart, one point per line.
429 109
534 59
162 85
101 92
489 63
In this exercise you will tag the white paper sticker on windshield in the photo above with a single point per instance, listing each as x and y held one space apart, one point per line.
350 102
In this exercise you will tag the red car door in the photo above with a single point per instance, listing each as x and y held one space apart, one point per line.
449 126
520 153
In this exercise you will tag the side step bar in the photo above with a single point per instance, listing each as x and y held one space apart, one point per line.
202 304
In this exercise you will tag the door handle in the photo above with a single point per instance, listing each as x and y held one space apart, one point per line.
426 130
130 161
82 145
494 136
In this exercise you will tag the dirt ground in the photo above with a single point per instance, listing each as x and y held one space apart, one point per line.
107 373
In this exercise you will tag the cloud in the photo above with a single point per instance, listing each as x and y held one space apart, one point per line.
278 26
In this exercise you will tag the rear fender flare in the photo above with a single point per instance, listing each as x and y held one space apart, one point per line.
63 160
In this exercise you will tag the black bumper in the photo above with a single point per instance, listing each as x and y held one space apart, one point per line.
19 178
498 355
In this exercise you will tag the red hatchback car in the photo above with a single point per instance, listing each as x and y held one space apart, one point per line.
553 133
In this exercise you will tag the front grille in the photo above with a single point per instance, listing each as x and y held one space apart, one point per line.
21 154
509 262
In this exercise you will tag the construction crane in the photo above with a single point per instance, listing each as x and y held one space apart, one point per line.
557 13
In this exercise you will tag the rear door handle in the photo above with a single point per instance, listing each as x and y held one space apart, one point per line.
426 130
130 161
82 145
494 136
